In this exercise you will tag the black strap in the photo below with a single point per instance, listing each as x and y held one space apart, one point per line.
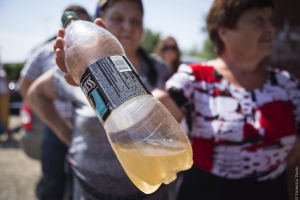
151 72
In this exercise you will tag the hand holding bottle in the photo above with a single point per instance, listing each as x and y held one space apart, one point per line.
60 52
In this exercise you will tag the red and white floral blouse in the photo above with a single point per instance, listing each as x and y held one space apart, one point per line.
237 133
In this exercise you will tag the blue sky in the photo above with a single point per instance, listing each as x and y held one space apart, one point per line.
26 24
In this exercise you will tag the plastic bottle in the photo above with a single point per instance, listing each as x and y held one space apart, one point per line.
147 140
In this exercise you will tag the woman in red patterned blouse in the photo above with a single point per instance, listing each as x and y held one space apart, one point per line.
241 113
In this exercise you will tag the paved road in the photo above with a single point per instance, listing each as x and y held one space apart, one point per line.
18 173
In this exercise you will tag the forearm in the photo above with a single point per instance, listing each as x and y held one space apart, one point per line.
24 84
40 97
168 102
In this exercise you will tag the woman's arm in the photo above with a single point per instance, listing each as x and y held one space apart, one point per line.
41 96
24 84
168 102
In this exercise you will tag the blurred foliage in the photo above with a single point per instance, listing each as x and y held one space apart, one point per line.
149 41
13 70
207 51
195 51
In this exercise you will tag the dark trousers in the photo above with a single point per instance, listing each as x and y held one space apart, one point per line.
200 185
54 178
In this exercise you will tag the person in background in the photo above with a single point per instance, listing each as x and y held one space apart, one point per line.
167 49
97 171
243 114
53 151
130 33
4 100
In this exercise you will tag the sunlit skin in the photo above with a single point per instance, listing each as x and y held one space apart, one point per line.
125 21
246 46
252 38
170 55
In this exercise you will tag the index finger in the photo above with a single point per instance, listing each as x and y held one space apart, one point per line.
59 50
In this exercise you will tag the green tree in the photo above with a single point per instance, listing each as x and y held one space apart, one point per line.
149 41
194 51
207 51
13 70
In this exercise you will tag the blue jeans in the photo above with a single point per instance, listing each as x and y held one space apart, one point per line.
53 182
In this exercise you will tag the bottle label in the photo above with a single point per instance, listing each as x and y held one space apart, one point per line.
109 82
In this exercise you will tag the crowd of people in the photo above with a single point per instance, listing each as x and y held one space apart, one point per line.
241 114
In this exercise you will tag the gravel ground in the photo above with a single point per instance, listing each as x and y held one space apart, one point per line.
18 173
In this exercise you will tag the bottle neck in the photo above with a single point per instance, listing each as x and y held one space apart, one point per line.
70 21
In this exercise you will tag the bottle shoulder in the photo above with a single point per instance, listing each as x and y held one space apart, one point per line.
131 111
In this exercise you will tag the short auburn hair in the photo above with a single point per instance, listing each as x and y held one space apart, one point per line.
104 4
225 13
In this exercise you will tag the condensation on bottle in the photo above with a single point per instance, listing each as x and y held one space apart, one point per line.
148 141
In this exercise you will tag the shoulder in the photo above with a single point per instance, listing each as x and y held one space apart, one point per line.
45 49
201 71
283 77
156 58
159 62
42 54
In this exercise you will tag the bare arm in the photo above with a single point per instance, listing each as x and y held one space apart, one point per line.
168 102
40 96
24 84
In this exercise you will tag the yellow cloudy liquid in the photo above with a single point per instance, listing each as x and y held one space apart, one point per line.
154 164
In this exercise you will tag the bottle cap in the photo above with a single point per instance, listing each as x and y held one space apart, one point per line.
67 16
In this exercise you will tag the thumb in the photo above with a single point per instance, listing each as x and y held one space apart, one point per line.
100 22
